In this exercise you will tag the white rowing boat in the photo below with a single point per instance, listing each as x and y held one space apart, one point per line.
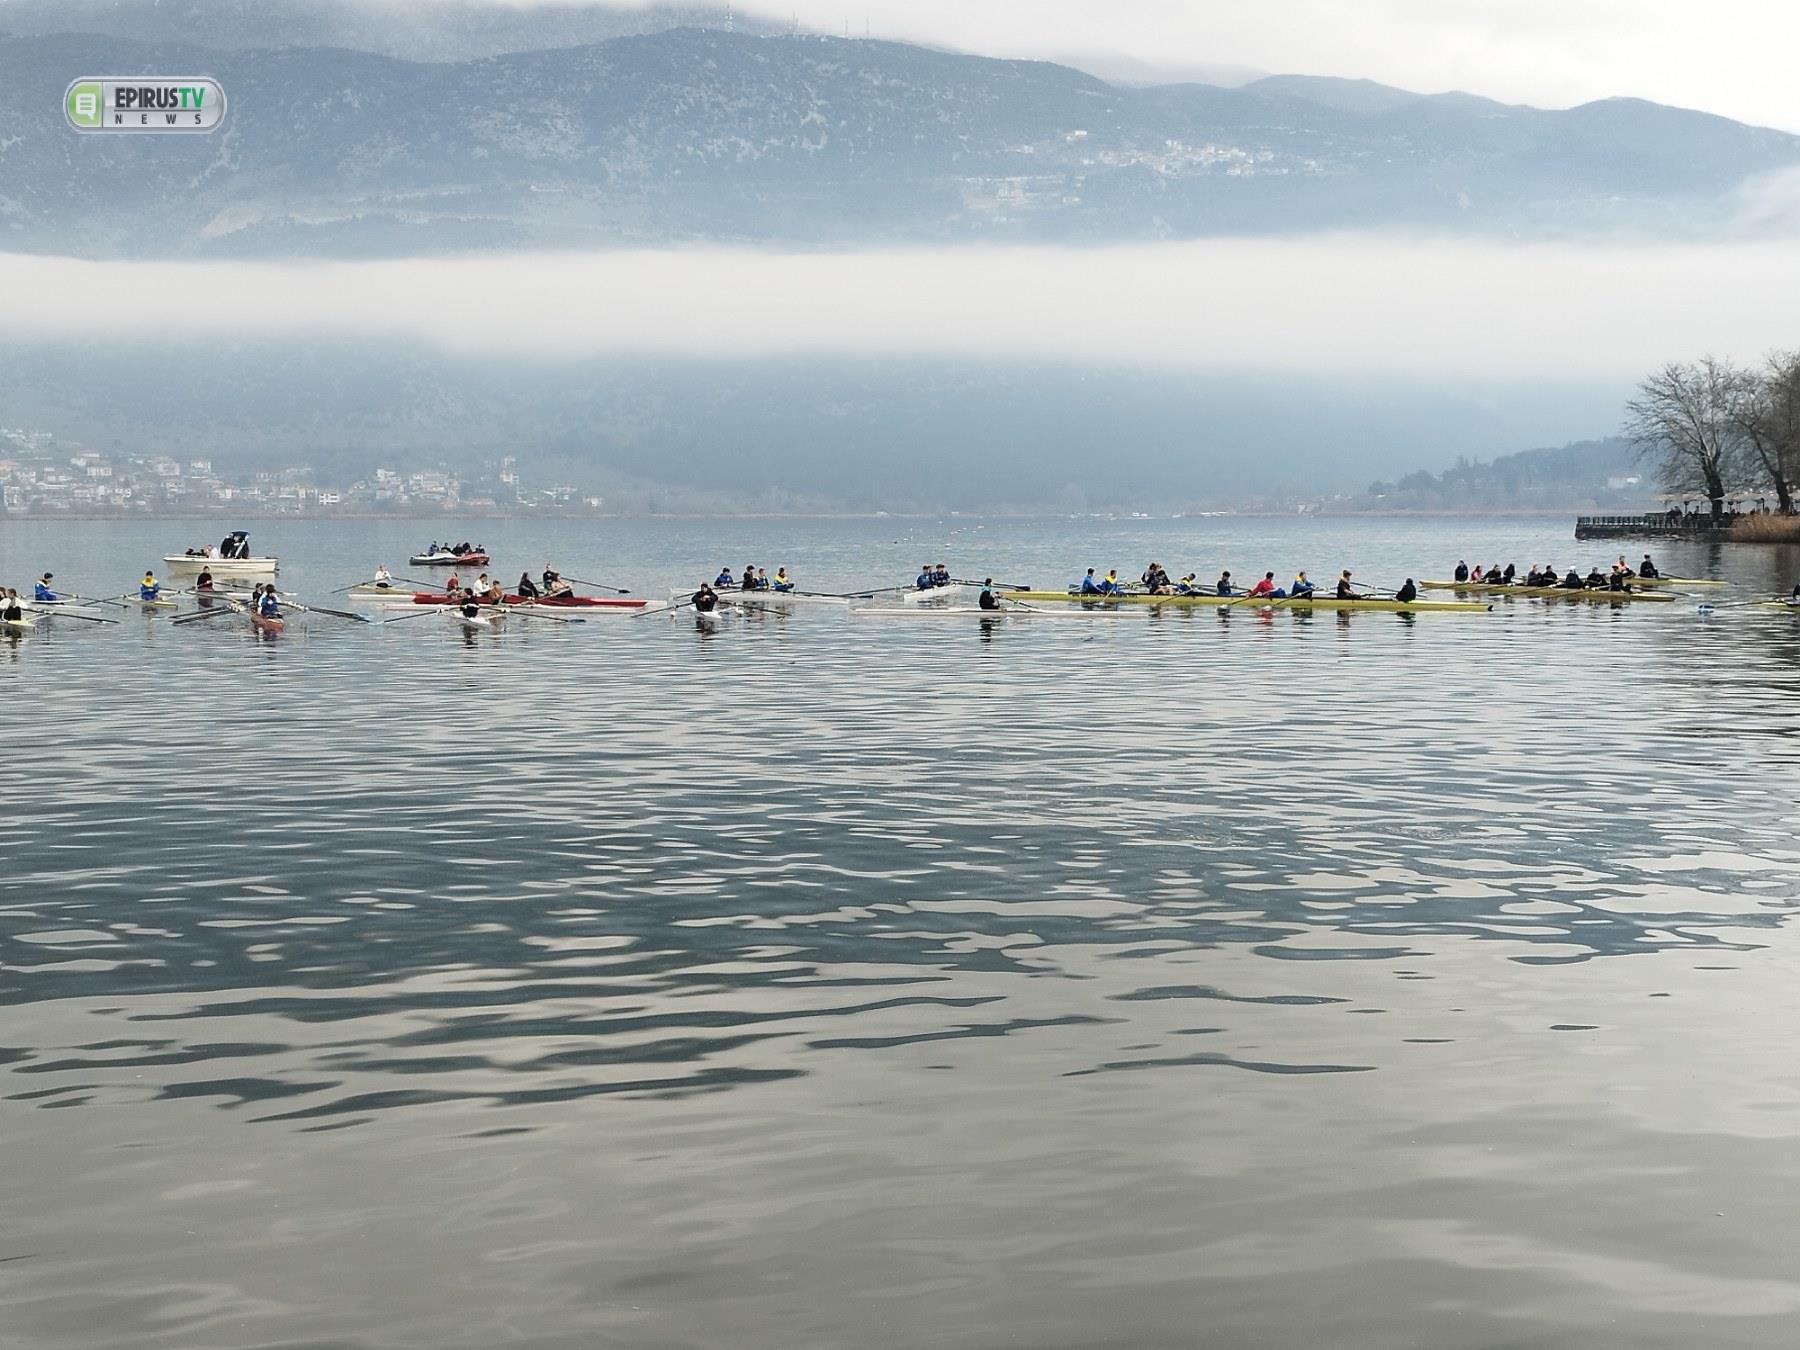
766 600
192 565
935 595
475 623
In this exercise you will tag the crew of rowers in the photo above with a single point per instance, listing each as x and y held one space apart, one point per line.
460 550
1155 581
1618 578
754 579
931 576
485 591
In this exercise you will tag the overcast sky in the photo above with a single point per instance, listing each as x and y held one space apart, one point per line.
1342 306
1735 57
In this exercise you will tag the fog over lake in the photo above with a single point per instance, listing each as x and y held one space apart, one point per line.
1319 305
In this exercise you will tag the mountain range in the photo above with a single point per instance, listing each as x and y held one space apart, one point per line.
689 134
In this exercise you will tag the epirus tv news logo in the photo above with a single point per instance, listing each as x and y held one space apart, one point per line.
145 103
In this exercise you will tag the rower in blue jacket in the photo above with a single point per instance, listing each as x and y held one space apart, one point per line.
926 579
1089 586
149 588
44 595
270 608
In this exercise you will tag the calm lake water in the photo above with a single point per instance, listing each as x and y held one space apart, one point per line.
1166 980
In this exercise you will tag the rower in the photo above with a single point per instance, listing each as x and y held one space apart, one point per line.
781 580
1089 586
762 578
1494 575
1407 593
1346 591
1461 573
1301 585
494 595
1265 585
204 582
149 588
453 584
705 600
1618 582
1224 587
1572 582
1506 577
987 601
941 576
554 585
481 584
44 595
1110 585
268 607
1188 585
927 577
1648 569
382 577
724 581
14 611
1595 581
749 581
527 589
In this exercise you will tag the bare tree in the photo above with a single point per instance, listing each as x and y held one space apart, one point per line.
1767 413
1684 418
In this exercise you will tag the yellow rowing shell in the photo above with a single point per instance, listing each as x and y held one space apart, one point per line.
1244 602
1597 596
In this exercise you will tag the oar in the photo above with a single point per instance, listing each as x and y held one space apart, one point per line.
84 600
421 612
61 613
1002 585
335 613
868 595
528 612
366 581
597 585
205 614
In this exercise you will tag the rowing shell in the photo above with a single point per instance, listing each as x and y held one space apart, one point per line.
1676 581
608 602
1596 594
766 600
17 625
975 611
1243 602
442 559
932 595
474 623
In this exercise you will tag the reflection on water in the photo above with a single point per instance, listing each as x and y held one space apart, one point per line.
1178 979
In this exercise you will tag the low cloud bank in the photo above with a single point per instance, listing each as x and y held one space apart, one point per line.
1338 306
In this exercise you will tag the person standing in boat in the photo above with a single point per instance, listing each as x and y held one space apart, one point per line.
44 595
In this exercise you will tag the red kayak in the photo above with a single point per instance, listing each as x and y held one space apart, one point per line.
558 602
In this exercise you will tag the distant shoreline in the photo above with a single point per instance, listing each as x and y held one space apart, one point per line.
219 517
